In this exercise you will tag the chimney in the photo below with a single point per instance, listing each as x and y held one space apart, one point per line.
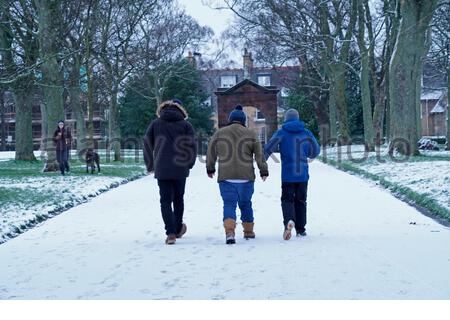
248 63
191 59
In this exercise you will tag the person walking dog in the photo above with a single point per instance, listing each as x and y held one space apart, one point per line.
296 144
236 147
170 151
62 139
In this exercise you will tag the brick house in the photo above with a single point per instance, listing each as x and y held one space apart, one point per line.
282 78
9 119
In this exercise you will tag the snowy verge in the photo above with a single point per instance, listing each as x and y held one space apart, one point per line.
29 197
422 184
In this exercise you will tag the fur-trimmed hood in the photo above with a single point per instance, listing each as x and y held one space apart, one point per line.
171 103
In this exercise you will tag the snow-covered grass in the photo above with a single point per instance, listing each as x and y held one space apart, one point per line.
29 196
424 180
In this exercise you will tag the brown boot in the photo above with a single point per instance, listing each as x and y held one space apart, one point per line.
230 226
248 230
171 239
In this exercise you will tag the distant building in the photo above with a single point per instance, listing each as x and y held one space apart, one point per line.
434 103
282 79
9 120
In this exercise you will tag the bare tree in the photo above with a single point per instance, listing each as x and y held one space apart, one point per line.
19 50
165 42
2 118
118 23
49 13
77 19
413 41
317 34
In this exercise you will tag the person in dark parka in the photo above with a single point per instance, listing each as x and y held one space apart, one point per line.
170 151
297 144
62 139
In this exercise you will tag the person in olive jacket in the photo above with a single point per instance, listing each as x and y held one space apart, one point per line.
236 147
62 139
170 151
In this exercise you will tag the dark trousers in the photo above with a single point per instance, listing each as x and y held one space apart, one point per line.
62 156
293 203
172 191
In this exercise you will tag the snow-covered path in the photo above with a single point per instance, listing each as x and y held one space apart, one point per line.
361 245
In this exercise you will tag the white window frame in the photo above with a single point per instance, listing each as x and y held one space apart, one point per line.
258 112
228 81
267 80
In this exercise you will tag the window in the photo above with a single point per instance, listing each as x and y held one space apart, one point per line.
264 80
227 81
259 115
262 134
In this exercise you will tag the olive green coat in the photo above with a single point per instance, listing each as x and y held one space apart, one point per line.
236 148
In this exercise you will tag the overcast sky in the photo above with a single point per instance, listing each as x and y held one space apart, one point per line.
218 20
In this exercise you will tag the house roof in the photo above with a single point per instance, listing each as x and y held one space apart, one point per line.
226 91
440 106
432 94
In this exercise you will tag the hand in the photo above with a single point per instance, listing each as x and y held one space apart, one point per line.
211 175
264 178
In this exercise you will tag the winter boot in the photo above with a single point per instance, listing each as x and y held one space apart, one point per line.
230 226
171 239
182 231
248 230
287 231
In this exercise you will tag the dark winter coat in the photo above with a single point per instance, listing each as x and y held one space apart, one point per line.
236 147
170 148
63 141
296 144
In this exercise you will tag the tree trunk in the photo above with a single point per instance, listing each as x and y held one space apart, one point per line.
90 105
379 113
52 84
333 118
405 74
338 85
23 101
323 119
114 125
43 146
74 93
22 87
448 109
2 121
365 81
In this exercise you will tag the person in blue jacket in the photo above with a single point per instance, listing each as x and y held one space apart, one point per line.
296 145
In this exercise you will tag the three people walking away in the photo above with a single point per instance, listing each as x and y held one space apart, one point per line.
296 145
62 139
236 147
170 151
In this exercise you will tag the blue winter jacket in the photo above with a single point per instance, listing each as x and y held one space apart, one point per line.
296 144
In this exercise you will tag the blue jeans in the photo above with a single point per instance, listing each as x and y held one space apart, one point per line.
234 194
